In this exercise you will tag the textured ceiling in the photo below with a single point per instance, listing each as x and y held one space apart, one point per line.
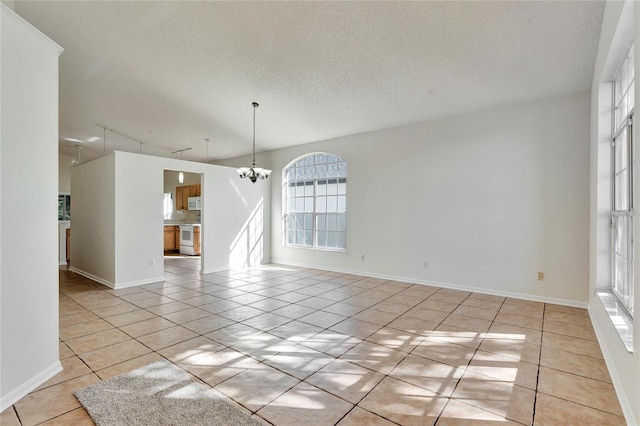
170 74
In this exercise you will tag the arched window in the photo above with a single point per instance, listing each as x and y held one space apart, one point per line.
315 202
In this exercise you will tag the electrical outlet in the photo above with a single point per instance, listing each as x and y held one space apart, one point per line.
362 257
540 276
152 262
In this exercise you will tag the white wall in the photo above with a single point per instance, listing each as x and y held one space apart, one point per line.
488 199
64 173
621 24
133 234
28 222
93 218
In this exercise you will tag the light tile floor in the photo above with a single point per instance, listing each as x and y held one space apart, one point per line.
298 346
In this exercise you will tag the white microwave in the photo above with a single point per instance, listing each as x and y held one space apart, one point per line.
194 203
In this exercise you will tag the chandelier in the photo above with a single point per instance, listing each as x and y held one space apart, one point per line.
254 173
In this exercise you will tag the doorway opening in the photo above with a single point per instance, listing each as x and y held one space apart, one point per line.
182 222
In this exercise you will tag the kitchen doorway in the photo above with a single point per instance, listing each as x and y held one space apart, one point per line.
182 219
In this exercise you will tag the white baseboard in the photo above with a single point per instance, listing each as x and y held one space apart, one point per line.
33 383
214 270
116 286
410 280
91 276
119 286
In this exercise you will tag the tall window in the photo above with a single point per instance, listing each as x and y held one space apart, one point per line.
315 202
64 207
622 253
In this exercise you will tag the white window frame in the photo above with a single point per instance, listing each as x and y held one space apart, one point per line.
622 184
310 207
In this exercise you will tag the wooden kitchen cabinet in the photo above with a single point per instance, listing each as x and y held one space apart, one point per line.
194 190
177 237
68 244
180 204
185 197
169 238
184 192
196 240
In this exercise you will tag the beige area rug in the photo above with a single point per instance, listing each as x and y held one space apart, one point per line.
160 394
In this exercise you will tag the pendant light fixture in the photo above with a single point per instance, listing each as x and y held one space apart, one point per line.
181 174
78 161
254 173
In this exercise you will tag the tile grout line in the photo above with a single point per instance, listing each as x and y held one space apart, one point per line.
535 395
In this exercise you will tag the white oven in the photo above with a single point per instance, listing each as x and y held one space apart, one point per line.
186 240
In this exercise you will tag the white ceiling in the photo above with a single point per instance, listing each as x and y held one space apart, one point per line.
171 74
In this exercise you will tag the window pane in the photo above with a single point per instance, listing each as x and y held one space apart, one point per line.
308 204
342 203
332 204
293 221
322 187
291 236
299 205
620 256
621 174
622 188
331 239
308 189
308 238
341 240
331 222
321 204
332 158
321 222
309 172
321 171
321 158
308 221
342 169
61 207
624 83
322 239
332 187
308 160
299 190
342 187
332 170
291 190
341 220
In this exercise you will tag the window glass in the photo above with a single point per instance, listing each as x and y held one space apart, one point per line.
64 207
315 202
622 217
